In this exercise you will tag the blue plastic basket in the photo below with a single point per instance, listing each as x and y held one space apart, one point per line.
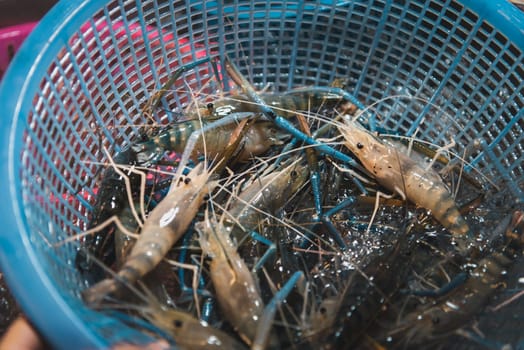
90 65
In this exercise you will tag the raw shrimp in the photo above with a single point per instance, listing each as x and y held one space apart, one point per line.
255 140
187 331
164 226
236 288
237 292
267 193
401 174
258 138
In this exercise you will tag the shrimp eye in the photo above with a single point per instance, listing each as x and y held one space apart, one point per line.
206 197
187 180
294 174
210 106
177 323
359 145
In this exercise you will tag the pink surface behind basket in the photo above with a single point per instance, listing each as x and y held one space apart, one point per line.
10 40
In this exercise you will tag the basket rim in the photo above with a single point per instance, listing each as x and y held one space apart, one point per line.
18 259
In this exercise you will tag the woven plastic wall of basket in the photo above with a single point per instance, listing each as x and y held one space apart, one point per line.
440 70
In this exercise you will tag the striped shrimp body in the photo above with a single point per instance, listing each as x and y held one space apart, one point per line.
236 289
163 227
402 175
257 139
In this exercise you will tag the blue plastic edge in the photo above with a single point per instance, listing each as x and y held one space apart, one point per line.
34 290
503 15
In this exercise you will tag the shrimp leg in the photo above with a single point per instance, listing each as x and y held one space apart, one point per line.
272 248
264 325
282 122
181 272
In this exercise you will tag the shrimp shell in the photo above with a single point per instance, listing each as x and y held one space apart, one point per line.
164 226
236 289
401 174
269 193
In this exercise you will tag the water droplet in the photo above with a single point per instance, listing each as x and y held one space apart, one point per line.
504 93
212 340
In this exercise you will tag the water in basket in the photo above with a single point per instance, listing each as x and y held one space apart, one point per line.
81 78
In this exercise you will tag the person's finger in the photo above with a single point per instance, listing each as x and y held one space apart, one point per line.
21 335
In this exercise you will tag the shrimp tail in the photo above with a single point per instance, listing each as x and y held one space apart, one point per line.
446 212
98 292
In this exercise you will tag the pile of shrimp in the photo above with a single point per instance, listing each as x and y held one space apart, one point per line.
284 220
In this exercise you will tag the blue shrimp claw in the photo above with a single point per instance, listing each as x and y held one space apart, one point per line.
266 320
